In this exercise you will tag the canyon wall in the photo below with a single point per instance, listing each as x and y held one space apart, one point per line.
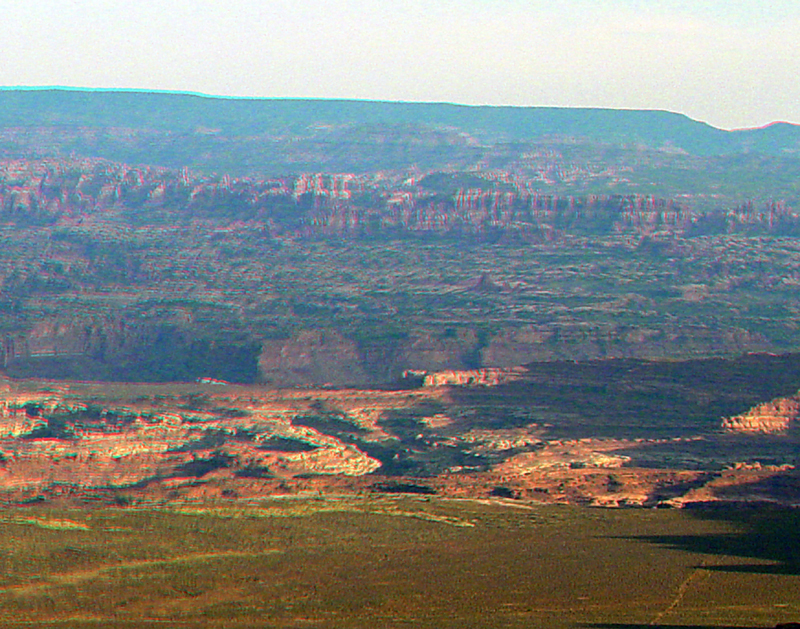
320 357
119 349
169 349
774 417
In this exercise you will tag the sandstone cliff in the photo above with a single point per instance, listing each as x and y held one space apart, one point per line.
432 352
166 344
312 357
521 345
476 377
161 344
776 416
316 357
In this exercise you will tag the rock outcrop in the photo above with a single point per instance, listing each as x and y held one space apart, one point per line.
312 357
166 344
518 346
772 417
474 377
431 352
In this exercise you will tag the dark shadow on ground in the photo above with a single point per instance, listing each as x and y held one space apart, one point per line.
678 489
781 487
649 626
768 534
628 398
714 452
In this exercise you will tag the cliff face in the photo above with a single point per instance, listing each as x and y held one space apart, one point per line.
123 349
549 431
315 357
312 357
489 377
169 346
773 417
519 346
578 341
429 352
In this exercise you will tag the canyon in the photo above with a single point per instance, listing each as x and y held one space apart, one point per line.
383 297
280 363
488 434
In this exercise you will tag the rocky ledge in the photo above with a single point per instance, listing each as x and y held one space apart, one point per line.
774 417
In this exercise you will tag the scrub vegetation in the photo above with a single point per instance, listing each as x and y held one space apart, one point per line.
395 562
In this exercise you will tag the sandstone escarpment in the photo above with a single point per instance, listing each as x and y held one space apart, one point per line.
167 344
432 352
145 344
519 346
67 337
476 377
776 416
311 357
582 341
317 357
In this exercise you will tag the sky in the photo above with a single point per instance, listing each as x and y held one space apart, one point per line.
731 63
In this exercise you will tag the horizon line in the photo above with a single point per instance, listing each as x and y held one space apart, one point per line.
138 90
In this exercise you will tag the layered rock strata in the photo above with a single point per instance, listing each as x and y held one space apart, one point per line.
772 417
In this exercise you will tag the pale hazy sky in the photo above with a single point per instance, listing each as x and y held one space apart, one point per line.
732 63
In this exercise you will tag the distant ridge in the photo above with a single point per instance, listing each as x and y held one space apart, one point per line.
186 113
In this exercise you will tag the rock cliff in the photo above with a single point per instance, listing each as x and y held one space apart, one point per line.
427 351
312 357
772 417
317 357
489 377
156 346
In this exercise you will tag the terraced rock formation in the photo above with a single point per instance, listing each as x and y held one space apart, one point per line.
776 416
606 433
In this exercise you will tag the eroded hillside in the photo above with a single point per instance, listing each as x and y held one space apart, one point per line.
99 291
610 433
